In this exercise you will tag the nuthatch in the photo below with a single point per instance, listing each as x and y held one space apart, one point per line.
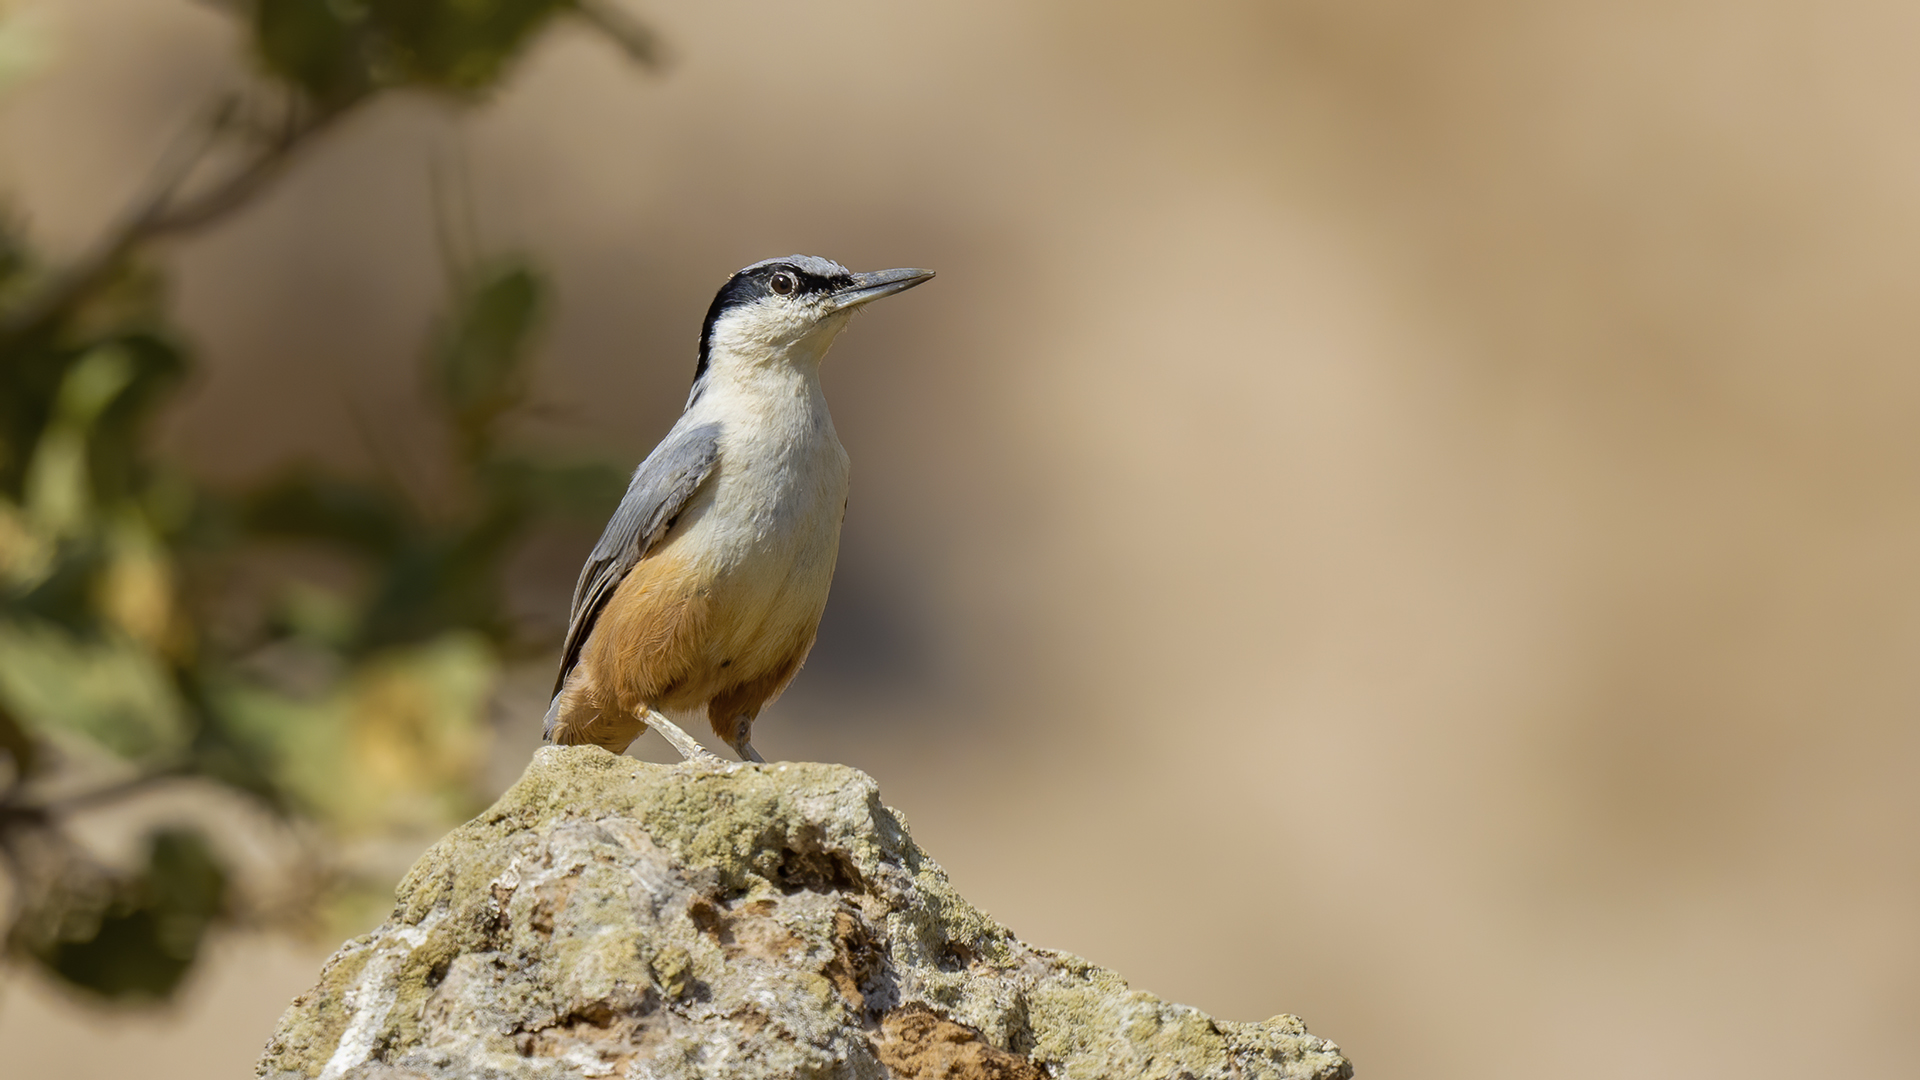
706 588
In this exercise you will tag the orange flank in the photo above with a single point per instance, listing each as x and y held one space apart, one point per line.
661 644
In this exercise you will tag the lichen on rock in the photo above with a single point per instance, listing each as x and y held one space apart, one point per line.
614 918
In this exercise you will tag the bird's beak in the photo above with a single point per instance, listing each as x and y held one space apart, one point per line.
866 288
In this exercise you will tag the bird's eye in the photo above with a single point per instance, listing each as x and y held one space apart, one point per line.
783 283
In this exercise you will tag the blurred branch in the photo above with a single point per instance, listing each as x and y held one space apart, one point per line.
301 125
15 812
119 789
165 210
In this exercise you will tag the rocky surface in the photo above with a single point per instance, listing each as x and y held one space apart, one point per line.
614 918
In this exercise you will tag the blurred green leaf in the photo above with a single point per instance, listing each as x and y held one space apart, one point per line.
63 594
30 377
396 744
306 504
588 490
459 44
142 941
221 751
318 45
119 452
25 45
59 492
26 554
110 691
18 745
73 421
135 590
444 583
478 364
337 50
321 615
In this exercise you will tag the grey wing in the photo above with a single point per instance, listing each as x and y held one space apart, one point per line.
659 490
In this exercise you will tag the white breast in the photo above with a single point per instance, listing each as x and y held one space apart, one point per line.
765 534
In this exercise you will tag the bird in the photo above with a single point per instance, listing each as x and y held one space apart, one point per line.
705 591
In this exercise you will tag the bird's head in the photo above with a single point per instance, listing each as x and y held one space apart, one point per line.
789 310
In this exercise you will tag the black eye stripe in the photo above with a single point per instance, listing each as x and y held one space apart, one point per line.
804 282
755 284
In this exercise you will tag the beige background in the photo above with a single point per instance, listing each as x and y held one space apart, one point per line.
1403 513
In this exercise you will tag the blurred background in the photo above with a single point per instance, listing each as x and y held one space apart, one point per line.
1396 512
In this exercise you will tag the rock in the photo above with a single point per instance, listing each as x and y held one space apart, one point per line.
614 918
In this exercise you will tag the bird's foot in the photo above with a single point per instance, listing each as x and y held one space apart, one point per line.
688 746
735 735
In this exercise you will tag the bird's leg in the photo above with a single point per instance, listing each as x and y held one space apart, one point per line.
736 734
688 746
